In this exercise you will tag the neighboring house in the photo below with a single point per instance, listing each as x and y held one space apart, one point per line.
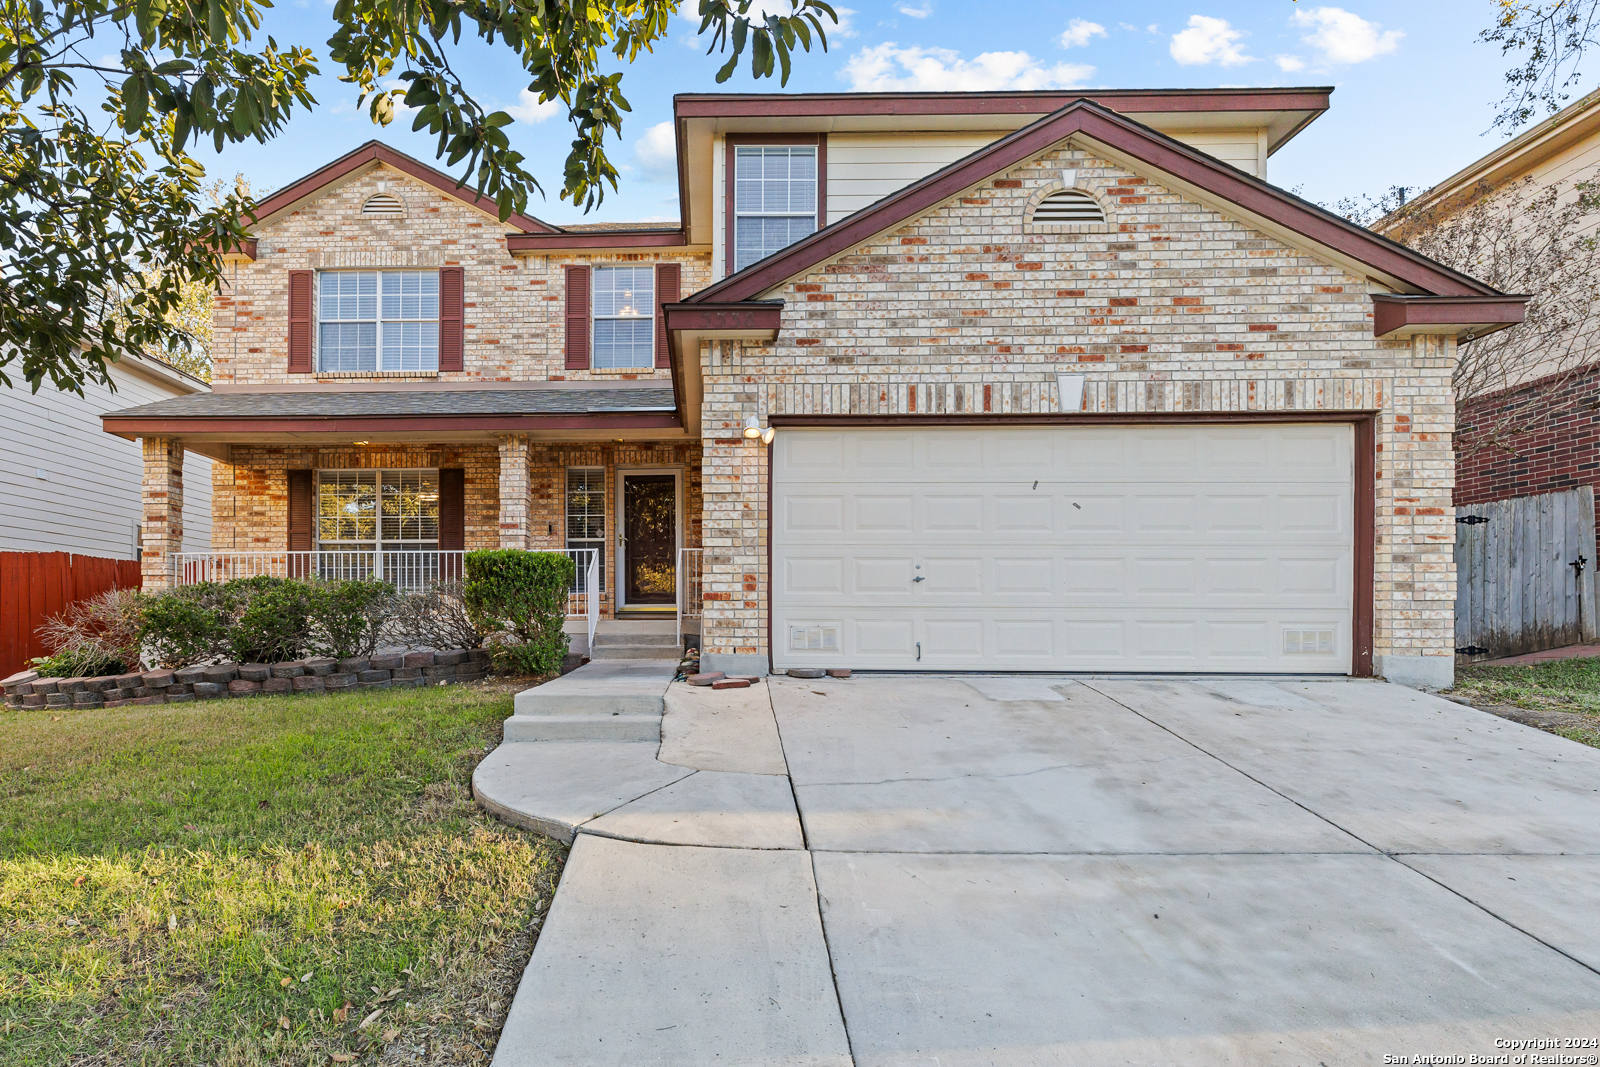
67 487
1542 433
951 381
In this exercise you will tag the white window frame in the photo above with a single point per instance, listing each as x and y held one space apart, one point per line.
600 494
646 311
814 214
378 543
378 322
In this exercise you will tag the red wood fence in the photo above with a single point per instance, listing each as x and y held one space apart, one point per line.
36 585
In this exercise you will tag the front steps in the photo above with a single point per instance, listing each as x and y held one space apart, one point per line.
611 700
635 644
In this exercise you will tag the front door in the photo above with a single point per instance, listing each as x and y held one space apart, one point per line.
648 553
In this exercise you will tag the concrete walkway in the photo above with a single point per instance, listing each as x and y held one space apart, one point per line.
1045 870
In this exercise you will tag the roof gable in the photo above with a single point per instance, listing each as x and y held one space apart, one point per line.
352 164
1149 149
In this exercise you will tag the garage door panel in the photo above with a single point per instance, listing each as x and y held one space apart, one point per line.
1066 548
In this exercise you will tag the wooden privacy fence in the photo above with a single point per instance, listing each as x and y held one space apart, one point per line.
1525 574
36 585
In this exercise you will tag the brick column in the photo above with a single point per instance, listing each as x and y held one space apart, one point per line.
514 489
161 532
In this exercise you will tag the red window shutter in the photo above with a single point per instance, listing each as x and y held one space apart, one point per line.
577 318
300 511
452 339
667 292
302 327
452 509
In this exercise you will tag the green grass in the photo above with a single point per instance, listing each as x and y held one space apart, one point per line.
1565 685
251 881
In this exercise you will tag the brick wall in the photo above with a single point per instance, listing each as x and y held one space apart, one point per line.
513 304
1543 437
1169 306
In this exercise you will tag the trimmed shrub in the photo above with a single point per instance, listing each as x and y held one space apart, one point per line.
187 625
272 619
348 617
99 635
436 618
523 594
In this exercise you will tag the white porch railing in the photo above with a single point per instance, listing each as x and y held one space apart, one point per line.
691 562
409 572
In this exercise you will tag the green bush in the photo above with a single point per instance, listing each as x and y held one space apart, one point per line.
523 594
271 620
347 618
187 625
80 662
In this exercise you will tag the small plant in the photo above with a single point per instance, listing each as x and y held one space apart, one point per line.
348 617
272 620
187 625
99 635
524 595
437 618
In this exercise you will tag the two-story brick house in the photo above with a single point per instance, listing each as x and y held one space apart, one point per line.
994 381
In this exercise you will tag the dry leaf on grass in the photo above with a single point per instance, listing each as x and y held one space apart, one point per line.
341 1014
369 1020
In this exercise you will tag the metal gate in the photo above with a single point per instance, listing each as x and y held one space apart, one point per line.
1524 574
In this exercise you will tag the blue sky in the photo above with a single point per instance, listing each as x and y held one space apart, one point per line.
1414 96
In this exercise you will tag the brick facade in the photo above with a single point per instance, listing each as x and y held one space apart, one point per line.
513 304
1556 445
1171 306
161 530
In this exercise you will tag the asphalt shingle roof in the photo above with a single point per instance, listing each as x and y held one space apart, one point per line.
406 403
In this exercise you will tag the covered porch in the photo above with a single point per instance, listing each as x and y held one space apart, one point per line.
403 499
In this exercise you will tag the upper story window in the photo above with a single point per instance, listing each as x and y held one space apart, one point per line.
370 320
774 199
624 317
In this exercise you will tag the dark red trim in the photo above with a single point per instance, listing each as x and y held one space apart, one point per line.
1155 149
452 318
1393 313
575 318
377 152
832 105
302 321
710 317
730 175
1365 481
524 243
384 424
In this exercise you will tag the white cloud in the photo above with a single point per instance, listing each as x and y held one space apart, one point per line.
1078 32
1290 64
1343 37
889 68
916 12
657 153
846 26
529 109
1208 40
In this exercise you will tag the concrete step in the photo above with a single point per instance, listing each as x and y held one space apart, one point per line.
603 639
581 727
666 652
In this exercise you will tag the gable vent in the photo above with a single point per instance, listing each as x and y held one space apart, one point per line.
384 206
1068 205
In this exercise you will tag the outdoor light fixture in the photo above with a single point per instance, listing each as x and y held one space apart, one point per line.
752 427
767 437
361 442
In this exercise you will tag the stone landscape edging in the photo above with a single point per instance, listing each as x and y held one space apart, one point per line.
318 674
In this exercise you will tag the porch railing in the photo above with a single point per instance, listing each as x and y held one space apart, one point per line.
409 572
691 562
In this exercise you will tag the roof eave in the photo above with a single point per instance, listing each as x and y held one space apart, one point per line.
1464 317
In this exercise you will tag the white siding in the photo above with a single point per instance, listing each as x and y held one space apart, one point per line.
866 167
88 501
1244 149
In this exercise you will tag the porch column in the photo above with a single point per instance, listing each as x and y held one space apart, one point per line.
514 489
161 531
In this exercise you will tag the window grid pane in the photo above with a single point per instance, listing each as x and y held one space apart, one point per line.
586 514
372 321
775 199
392 510
347 508
624 322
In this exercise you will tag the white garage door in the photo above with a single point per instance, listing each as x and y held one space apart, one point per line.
1118 548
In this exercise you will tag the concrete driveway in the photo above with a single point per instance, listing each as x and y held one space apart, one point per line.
1033 870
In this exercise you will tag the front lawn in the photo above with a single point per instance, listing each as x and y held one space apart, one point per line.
1562 696
292 880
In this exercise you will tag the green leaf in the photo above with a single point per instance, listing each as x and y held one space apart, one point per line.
135 103
499 118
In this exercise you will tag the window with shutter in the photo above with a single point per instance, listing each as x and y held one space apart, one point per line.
667 292
577 338
300 507
302 328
